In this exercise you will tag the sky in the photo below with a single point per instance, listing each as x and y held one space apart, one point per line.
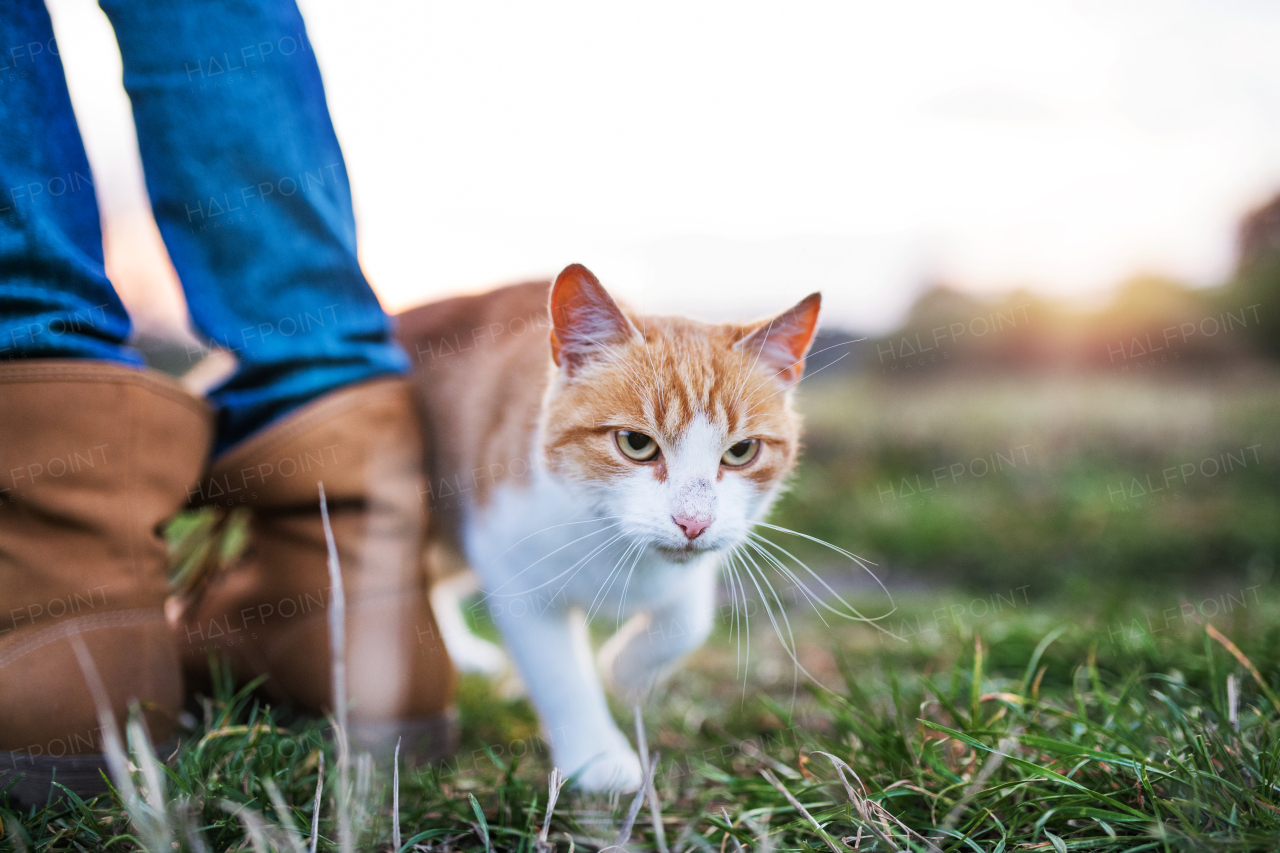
725 159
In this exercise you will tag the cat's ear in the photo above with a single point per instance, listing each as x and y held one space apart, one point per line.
779 345
586 321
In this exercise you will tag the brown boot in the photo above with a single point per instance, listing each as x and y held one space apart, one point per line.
269 613
94 458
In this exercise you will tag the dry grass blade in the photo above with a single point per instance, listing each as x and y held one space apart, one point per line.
315 812
114 753
188 819
286 819
338 656
822 833
737 845
1233 702
254 826
145 758
655 807
764 839
555 781
1248 664
363 794
395 799
624 834
989 768
867 810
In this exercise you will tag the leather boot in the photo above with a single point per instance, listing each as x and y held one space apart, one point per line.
268 614
94 458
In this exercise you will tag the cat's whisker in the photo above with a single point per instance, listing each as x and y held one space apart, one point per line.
622 600
860 561
790 648
567 580
602 594
554 527
495 591
863 564
747 373
814 601
735 630
616 565
759 541
582 563
791 385
813 598
833 346
782 610
744 664
799 361
577 564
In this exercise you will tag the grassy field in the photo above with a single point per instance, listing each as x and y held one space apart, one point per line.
1066 664
1085 485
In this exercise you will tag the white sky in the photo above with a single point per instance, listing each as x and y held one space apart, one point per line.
724 159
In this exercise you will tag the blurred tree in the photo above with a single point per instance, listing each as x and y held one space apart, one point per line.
1257 278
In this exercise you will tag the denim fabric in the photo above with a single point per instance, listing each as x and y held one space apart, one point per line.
248 187
54 296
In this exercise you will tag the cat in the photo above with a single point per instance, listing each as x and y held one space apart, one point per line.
589 462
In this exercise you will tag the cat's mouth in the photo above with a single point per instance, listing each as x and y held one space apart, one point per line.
680 553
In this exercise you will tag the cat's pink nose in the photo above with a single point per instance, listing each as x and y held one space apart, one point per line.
691 526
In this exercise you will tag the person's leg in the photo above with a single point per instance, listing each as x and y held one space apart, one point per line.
96 452
55 301
250 192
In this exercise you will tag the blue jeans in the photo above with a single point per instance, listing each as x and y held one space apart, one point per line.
247 184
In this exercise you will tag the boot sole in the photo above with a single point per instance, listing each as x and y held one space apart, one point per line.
423 740
30 779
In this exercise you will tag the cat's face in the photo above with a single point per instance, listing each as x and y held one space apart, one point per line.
680 431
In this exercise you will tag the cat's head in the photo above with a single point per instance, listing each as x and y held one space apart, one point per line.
680 431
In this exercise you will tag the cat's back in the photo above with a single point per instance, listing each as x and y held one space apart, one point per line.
480 365
448 333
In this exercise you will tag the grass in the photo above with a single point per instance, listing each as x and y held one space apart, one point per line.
1066 669
1056 729
1071 484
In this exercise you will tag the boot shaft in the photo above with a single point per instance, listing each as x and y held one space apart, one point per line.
94 459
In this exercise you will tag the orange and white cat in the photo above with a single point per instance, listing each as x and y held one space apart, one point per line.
588 462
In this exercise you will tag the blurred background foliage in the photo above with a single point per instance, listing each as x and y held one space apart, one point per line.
995 443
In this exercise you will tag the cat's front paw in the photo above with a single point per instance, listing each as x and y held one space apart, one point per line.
625 667
633 680
616 768
472 654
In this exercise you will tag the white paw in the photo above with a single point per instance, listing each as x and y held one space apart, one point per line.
472 654
624 668
635 683
615 768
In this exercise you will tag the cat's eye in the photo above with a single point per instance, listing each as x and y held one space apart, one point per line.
636 446
741 453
